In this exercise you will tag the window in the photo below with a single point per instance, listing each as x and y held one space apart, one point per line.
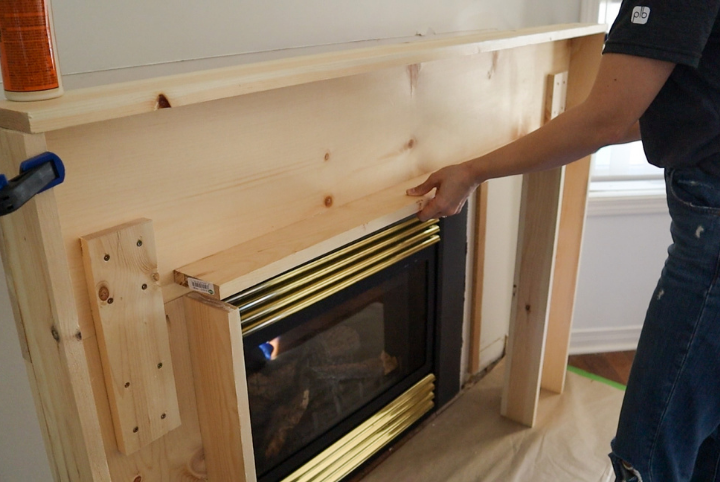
621 167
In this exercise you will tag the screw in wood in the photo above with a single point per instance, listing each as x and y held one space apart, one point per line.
159 365
127 384
163 416
139 243
110 301
107 257
144 286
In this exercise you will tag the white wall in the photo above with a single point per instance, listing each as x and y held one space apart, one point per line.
22 453
622 257
95 36
103 36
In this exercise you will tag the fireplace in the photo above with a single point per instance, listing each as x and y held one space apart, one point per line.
346 352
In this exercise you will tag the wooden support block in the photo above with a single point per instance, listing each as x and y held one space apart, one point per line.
121 271
555 95
537 238
216 352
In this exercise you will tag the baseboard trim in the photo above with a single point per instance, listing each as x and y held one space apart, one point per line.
603 340
491 353
602 204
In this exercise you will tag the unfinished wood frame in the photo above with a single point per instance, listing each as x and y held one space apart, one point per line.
272 162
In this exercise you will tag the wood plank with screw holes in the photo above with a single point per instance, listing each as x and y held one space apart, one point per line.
122 277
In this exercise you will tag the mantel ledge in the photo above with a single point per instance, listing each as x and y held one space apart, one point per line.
96 104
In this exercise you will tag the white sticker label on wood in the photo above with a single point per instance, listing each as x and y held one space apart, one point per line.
201 286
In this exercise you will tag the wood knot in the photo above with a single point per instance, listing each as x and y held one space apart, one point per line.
78 335
527 308
55 334
327 156
328 201
196 467
138 478
411 143
104 293
163 102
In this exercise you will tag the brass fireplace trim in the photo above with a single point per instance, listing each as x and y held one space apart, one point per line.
363 442
289 293
408 227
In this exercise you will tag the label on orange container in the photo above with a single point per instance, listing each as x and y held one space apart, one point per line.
26 54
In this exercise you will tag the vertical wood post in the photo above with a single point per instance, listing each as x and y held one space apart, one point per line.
539 208
537 237
481 201
216 351
584 63
39 282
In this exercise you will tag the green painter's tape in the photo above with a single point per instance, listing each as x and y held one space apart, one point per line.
589 375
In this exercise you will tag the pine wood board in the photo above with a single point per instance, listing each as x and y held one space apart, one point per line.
179 455
54 345
535 263
245 265
97 104
218 364
478 274
127 305
219 174
533 278
583 68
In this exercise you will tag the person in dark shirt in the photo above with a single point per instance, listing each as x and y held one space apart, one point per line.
659 82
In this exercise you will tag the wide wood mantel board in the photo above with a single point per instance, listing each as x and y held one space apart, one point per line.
237 154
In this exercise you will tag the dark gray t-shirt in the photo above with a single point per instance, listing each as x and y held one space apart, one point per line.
681 128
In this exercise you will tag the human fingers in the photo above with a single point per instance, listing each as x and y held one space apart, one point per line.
424 188
429 211
441 207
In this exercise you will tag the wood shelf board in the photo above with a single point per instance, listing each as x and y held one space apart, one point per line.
249 263
95 104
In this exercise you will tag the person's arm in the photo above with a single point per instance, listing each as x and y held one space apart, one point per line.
624 87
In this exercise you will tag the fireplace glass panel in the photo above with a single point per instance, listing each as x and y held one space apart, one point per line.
329 361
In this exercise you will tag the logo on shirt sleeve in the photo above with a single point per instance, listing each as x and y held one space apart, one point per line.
640 15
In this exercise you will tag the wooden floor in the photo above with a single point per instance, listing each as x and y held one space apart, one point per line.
614 366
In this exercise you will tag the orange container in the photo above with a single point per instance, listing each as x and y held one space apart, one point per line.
27 51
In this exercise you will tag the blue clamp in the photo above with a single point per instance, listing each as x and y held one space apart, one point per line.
37 174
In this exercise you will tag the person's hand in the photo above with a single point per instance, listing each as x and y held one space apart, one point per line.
453 185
